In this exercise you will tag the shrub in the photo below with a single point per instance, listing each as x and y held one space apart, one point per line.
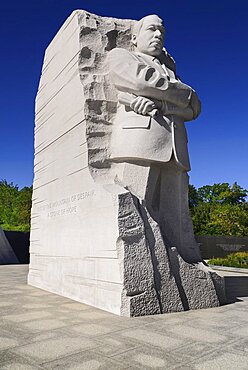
239 259
24 228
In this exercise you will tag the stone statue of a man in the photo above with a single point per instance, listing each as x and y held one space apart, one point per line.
149 137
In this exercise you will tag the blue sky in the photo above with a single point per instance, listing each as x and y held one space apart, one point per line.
209 41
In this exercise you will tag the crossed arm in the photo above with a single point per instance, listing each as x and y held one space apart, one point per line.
142 105
150 88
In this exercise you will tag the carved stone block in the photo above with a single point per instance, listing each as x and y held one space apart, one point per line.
92 240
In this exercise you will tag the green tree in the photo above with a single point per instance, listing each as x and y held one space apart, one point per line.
193 197
222 193
8 195
201 218
229 219
219 209
22 211
15 206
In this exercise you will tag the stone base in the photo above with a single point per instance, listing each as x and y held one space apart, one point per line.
122 265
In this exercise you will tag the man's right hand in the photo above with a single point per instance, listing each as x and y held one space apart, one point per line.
142 105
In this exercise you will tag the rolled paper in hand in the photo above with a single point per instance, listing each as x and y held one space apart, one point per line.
126 99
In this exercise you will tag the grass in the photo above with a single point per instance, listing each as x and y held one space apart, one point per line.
239 259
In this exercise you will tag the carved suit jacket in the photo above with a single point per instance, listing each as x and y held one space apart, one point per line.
142 138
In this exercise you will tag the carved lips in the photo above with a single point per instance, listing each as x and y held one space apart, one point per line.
157 43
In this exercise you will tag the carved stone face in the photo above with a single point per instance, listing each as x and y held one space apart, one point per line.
150 38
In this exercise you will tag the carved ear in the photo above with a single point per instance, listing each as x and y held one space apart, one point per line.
133 40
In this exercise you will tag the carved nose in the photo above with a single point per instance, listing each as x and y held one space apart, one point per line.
158 33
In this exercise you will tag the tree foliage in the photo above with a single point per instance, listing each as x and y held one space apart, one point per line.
219 209
194 198
15 206
222 194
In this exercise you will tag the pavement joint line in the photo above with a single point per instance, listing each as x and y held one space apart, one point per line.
75 354
66 356
127 350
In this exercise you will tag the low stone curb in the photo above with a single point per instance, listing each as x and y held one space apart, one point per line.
229 269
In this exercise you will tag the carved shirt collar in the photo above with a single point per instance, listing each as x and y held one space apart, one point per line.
151 57
147 57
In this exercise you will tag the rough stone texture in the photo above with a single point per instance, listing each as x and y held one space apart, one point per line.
156 278
139 292
219 285
98 36
194 283
91 239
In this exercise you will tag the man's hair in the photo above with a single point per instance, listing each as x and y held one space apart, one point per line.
138 25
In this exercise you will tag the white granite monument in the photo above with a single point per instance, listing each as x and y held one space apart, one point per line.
110 219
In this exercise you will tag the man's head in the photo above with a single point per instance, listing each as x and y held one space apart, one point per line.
148 35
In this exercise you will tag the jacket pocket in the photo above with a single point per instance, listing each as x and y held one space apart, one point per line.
136 121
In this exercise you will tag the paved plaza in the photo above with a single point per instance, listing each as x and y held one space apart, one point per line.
40 330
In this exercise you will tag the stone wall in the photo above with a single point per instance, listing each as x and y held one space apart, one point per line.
74 219
14 247
220 246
